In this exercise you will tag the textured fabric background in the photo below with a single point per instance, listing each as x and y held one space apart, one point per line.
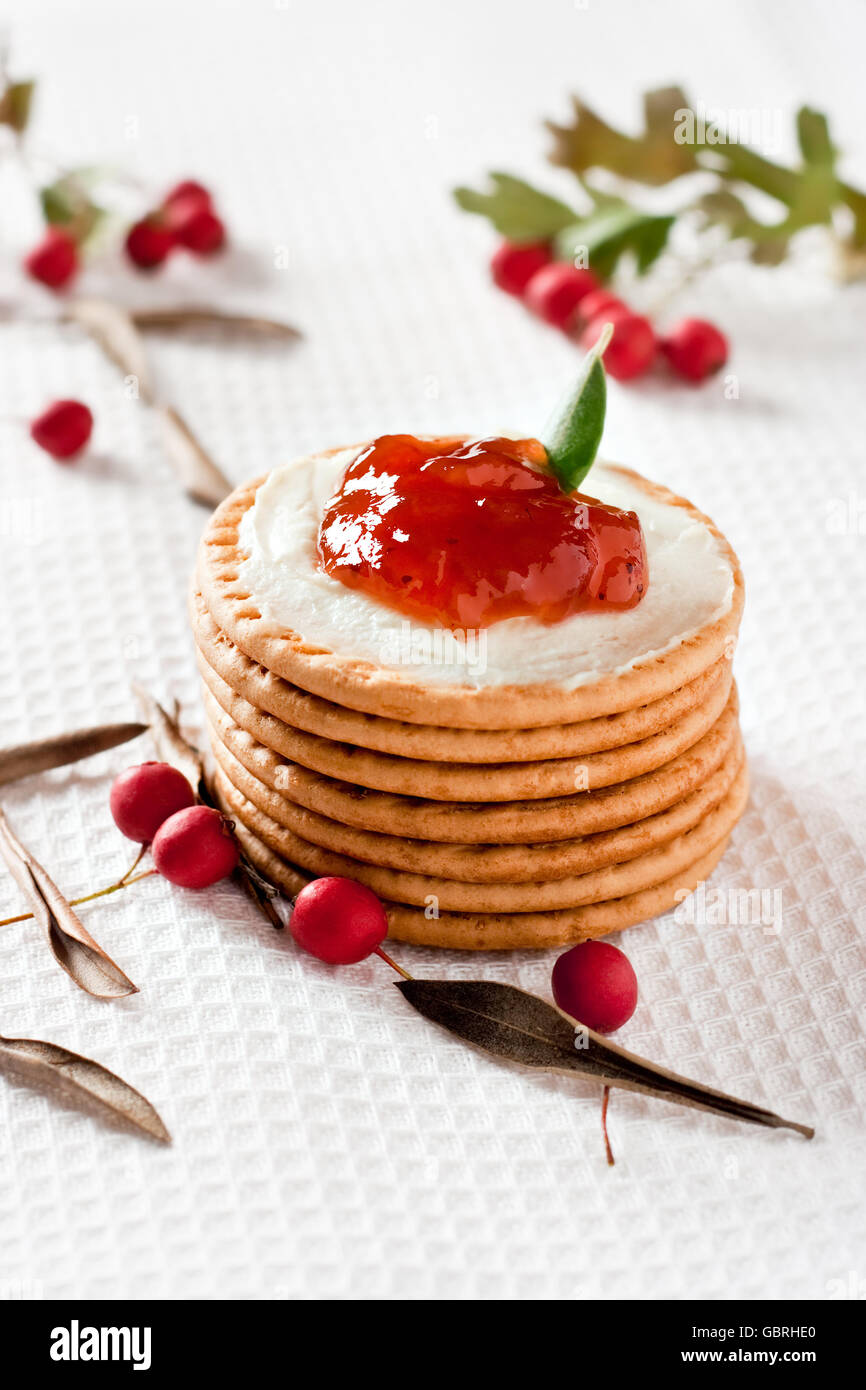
328 1142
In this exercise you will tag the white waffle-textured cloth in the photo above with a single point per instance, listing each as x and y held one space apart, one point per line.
329 1142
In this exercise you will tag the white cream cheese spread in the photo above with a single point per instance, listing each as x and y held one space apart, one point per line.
691 584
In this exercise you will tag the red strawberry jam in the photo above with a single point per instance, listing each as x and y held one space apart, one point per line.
466 534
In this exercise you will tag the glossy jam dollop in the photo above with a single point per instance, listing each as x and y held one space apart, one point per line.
466 534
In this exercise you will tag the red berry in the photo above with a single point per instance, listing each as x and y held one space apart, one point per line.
148 242
600 302
188 189
338 920
143 797
195 847
632 347
695 349
555 292
197 228
595 984
63 429
513 265
55 260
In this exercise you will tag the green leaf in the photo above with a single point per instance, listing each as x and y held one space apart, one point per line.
818 191
674 142
671 144
517 210
609 232
723 208
57 205
573 435
808 194
813 135
66 203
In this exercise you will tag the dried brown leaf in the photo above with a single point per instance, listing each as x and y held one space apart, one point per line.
514 1026
196 316
114 331
194 466
25 759
171 745
653 157
71 944
15 105
260 889
80 1078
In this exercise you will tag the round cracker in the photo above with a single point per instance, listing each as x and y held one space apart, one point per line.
362 685
485 863
300 709
506 931
556 818
449 781
420 890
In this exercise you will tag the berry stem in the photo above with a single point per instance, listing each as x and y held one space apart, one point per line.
605 1099
688 272
124 882
393 964
133 866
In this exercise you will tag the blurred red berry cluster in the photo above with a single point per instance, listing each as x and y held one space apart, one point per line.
186 218
572 299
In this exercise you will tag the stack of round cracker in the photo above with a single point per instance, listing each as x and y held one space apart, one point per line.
485 818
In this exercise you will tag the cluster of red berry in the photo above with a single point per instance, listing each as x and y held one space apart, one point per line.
572 299
337 920
185 218
192 845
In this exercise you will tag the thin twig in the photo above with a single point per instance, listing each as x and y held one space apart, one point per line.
393 964
605 1100
124 882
